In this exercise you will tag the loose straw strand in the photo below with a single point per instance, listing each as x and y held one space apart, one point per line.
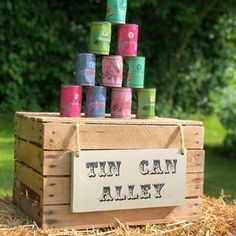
77 140
182 139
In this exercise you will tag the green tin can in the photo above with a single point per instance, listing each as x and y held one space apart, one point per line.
116 11
100 38
146 103
136 71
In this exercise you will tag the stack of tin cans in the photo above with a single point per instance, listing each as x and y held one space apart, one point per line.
112 71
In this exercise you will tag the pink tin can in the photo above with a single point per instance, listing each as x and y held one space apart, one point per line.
112 71
71 99
127 40
121 102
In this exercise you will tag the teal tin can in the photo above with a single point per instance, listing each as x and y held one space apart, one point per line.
146 103
136 71
116 11
100 38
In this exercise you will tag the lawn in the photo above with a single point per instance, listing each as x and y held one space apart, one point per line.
220 171
6 154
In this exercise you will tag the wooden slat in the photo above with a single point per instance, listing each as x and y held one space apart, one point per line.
57 189
29 177
63 136
58 216
29 154
27 206
58 162
29 130
55 118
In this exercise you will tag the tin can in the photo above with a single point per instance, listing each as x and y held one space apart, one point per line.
95 101
136 71
112 71
127 40
146 103
85 69
70 102
121 102
100 38
116 11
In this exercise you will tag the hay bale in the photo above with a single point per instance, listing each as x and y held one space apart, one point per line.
219 218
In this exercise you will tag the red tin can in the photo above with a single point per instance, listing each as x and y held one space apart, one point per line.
127 40
71 99
121 102
112 71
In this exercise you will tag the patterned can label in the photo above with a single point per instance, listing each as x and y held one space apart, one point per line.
70 101
127 40
136 71
100 38
116 11
85 69
121 102
95 101
146 103
112 71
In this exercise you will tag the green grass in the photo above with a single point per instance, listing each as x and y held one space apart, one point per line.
6 154
220 171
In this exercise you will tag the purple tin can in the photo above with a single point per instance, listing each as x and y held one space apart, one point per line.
95 101
71 99
121 102
112 71
85 69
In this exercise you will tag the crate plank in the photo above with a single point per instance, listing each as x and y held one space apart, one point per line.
29 154
56 216
29 177
29 130
63 136
52 186
55 185
58 162
27 206
55 118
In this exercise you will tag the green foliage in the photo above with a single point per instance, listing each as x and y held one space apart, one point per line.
183 43
226 102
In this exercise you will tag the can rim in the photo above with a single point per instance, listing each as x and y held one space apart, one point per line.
70 85
137 57
85 53
125 25
146 89
100 22
112 56
121 88
92 86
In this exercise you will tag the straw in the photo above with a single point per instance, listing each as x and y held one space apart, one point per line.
218 218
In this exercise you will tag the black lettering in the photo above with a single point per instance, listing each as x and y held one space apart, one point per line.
131 195
145 191
106 195
118 194
142 168
156 169
102 165
170 166
158 188
114 167
91 166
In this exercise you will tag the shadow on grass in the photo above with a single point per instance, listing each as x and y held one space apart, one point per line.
220 174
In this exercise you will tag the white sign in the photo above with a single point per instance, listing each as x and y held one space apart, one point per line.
127 179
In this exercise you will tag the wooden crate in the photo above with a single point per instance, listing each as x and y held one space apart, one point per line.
42 166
